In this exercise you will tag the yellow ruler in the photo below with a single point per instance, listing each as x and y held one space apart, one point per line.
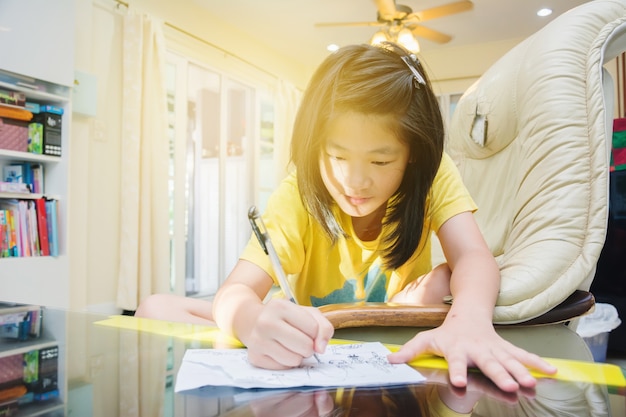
568 370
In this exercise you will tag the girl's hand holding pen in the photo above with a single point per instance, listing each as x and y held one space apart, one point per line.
286 333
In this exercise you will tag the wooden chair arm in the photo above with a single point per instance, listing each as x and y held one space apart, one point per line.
351 315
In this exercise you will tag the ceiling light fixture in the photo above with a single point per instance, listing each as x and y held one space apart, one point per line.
379 37
399 34
544 12
406 39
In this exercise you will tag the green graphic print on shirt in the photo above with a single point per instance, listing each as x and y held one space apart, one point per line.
375 286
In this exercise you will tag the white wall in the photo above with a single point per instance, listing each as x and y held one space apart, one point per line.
454 69
188 16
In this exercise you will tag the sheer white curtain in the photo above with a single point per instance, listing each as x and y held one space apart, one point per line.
288 99
144 247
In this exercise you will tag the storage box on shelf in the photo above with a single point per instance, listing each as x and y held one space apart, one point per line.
13 134
33 241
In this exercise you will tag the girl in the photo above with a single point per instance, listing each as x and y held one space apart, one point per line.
353 223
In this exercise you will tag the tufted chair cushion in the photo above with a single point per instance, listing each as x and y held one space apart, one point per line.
531 139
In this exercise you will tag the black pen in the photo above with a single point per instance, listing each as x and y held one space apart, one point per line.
264 239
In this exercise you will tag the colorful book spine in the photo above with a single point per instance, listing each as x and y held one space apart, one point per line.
33 229
27 171
11 220
16 230
24 233
37 178
13 234
42 226
4 235
53 236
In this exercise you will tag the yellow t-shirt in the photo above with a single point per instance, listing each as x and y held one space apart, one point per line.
351 270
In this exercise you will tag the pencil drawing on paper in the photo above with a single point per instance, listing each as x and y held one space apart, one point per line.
358 364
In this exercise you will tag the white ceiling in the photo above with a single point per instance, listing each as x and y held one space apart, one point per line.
288 25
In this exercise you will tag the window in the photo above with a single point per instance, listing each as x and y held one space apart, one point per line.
222 151
447 103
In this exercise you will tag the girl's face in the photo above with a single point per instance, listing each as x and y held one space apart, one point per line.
362 162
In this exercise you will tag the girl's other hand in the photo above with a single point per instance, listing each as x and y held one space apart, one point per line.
285 333
464 344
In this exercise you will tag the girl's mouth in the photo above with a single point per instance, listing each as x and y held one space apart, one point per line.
357 201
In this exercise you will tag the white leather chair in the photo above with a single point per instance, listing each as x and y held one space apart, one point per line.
532 139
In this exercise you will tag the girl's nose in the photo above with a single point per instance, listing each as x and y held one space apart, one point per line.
356 177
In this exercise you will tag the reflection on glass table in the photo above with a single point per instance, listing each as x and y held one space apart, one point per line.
481 398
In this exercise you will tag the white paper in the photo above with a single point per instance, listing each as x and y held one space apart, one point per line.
361 364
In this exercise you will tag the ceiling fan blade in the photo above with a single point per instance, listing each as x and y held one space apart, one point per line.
333 24
386 9
445 10
430 34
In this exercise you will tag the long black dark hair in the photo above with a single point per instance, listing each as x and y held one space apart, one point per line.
378 80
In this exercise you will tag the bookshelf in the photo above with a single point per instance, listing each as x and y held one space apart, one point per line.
42 280
38 60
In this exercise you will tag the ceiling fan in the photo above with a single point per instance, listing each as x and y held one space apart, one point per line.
396 18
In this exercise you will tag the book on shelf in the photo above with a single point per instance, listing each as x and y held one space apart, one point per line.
37 182
10 219
4 235
52 219
23 229
33 177
42 226
33 229
29 228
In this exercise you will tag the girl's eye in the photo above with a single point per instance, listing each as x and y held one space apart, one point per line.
335 157
381 163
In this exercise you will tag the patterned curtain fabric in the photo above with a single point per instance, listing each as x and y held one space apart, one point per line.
144 247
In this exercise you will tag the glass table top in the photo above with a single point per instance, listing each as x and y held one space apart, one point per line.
124 366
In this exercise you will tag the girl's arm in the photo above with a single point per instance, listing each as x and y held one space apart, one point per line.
467 336
278 334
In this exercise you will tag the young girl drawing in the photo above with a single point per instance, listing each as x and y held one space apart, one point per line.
353 223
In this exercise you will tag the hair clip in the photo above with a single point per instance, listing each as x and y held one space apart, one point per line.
418 77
